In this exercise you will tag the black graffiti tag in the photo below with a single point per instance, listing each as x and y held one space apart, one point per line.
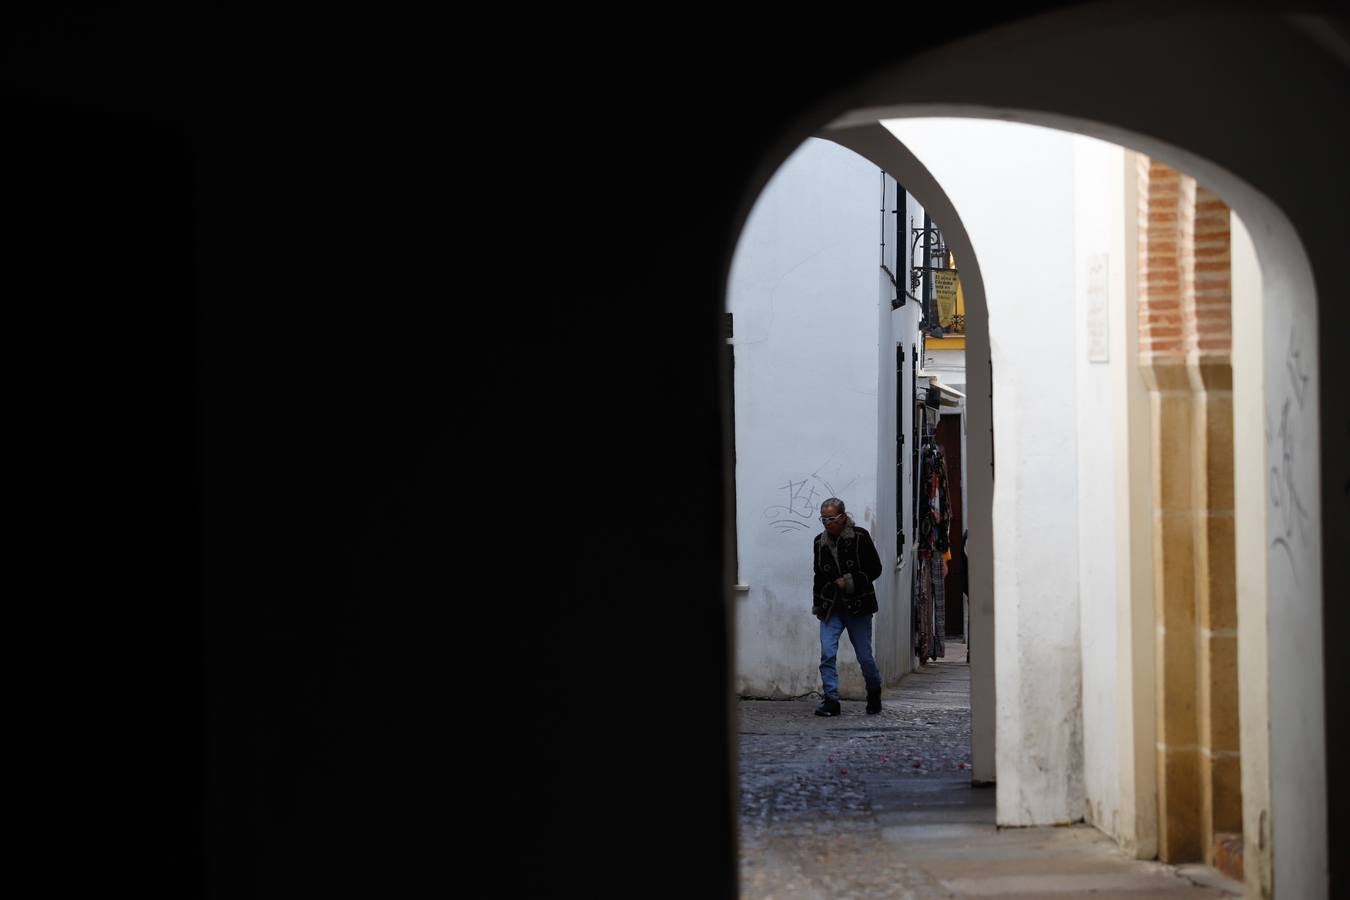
1291 520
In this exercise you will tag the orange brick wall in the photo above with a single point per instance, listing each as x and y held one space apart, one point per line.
1185 303
1209 321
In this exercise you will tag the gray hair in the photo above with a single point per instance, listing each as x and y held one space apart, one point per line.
833 502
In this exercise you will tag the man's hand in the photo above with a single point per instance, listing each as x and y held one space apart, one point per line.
841 583
944 568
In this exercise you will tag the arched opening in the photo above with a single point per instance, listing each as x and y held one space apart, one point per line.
1289 317
612 722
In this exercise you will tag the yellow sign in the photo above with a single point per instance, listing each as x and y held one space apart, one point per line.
951 311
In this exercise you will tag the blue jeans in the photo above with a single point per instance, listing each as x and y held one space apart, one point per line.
860 636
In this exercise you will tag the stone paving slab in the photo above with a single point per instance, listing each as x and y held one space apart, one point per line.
888 818
1190 892
1051 883
1022 866
960 835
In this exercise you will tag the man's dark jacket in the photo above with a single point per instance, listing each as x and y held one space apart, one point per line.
857 557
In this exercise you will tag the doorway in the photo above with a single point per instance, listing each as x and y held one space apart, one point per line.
949 437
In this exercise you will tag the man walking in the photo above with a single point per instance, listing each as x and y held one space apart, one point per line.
843 598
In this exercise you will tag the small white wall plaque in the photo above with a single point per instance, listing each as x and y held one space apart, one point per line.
1097 311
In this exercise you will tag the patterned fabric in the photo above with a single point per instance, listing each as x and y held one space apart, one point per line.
930 609
935 516
939 610
935 512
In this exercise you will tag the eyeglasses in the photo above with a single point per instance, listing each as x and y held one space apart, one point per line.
828 519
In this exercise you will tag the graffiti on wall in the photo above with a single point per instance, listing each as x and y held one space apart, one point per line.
800 503
1286 446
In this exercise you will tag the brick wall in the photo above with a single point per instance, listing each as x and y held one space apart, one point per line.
1185 306
1185 345
1209 325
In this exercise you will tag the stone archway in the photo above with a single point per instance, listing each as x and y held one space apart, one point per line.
1016 73
876 144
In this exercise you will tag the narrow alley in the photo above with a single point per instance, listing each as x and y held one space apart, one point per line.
881 806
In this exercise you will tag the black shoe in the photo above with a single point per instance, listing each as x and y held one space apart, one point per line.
874 701
828 708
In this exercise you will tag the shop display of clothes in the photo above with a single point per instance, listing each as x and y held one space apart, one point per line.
935 516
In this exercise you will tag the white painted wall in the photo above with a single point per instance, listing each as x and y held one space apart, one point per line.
1136 623
949 366
905 329
1012 186
883 525
1099 270
1298 763
814 358
898 326
1249 501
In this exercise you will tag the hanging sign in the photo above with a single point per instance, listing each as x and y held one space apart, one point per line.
945 285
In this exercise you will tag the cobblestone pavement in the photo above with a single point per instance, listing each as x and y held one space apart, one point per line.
881 806
808 827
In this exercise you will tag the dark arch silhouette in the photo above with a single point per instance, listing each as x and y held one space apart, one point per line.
399 272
